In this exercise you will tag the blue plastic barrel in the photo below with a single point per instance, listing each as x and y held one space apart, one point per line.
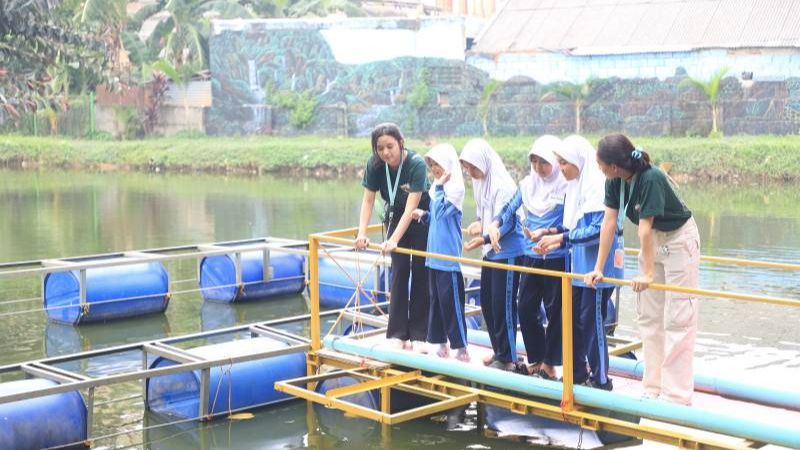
111 293
336 286
218 276
356 432
242 385
42 422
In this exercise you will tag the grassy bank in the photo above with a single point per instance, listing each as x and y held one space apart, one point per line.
745 158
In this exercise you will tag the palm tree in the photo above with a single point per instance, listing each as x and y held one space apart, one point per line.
181 35
577 93
110 18
710 88
486 102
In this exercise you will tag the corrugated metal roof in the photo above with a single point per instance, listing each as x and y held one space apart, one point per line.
195 94
628 26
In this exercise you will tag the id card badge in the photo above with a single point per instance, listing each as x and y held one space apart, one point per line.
557 199
619 255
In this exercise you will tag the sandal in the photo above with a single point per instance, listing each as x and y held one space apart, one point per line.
521 368
545 376
534 368
508 367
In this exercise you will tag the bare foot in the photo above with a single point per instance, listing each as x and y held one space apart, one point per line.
395 344
488 360
462 354
420 347
443 351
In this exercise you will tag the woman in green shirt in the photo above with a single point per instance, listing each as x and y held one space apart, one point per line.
670 254
401 177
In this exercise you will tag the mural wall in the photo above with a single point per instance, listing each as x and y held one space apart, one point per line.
341 78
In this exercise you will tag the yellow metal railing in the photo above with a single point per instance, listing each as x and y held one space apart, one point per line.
345 237
735 261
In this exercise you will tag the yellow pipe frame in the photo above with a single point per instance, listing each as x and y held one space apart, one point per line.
452 394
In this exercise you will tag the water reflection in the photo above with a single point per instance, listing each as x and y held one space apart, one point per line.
288 430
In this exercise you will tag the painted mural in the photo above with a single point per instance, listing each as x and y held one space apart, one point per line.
287 81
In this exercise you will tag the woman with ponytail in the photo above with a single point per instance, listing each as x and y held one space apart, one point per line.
670 254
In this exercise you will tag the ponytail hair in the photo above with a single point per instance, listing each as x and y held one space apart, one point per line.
618 150
386 129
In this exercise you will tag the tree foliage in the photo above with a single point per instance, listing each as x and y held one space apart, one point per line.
42 56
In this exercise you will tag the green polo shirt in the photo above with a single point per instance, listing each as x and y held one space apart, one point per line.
652 196
413 178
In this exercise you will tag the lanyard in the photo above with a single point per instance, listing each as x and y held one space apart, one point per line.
624 212
393 189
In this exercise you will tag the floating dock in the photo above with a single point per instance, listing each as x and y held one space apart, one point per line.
346 364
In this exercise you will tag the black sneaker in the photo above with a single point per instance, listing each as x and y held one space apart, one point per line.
607 386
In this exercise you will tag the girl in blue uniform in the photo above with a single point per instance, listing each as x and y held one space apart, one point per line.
446 320
542 195
583 216
493 187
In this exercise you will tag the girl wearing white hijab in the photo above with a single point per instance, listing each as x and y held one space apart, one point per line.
446 319
493 187
542 195
583 216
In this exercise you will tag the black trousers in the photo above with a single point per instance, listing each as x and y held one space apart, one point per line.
534 290
408 316
499 308
446 320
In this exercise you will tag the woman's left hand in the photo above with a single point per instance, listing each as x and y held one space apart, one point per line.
641 282
549 243
388 246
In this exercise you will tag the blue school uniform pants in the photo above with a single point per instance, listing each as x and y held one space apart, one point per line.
446 319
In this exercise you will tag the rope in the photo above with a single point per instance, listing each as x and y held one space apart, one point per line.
359 284
125 299
356 293
219 384
21 300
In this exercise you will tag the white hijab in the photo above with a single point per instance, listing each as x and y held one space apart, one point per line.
539 194
586 193
445 156
495 188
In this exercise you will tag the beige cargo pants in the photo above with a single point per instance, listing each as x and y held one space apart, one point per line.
668 320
